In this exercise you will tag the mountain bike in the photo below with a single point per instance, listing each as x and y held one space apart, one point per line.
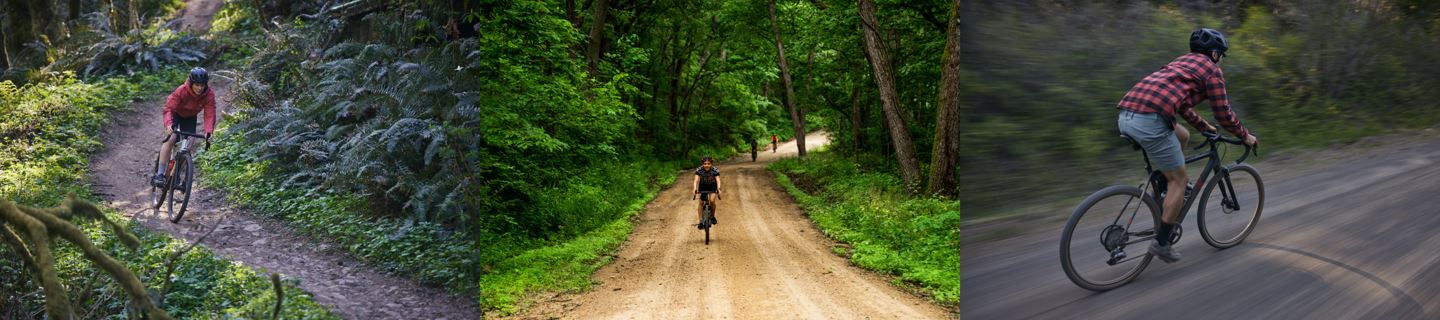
1234 199
180 177
709 214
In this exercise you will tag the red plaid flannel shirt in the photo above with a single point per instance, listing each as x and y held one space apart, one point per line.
1178 87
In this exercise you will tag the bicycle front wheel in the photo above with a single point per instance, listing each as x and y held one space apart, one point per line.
709 214
1230 206
184 187
1113 220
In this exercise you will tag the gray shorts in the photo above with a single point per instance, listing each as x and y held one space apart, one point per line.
1156 136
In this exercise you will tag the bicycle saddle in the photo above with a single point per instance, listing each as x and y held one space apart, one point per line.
1133 144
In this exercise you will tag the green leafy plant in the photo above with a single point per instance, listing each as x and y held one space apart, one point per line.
915 239
137 50
48 129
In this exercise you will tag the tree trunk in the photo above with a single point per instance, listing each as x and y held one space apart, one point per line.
4 38
679 70
797 118
4 51
134 15
259 14
947 123
110 16
43 14
17 21
889 98
74 11
571 14
857 121
695 82
597 34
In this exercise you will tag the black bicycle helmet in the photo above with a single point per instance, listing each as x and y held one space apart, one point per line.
199 76
1206 40
706 158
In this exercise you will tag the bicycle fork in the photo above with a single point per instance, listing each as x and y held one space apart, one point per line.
1228 199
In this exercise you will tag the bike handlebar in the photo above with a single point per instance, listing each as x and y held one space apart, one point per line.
187 134
1212 137
176 130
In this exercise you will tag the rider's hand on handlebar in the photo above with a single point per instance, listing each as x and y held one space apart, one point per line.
1252 141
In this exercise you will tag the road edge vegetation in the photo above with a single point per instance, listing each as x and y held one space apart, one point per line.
914 239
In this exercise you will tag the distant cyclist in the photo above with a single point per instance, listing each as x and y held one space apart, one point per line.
182 109
1148 116
774 143
707 181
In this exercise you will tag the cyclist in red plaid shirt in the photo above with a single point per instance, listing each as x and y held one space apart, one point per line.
1148 116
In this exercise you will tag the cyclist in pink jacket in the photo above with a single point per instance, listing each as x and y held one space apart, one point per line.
181 110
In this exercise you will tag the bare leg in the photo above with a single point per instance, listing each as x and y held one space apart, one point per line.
165 153
1182 134
1175 197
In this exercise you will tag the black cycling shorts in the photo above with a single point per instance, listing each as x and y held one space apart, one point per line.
187 125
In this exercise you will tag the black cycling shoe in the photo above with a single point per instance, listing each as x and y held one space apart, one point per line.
1165 253
158 181
700 225
713 221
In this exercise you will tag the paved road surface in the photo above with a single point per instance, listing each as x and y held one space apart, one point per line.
1354 239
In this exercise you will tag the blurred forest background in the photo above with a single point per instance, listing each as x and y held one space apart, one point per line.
1040 80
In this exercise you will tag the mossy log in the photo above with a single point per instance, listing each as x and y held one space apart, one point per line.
38 226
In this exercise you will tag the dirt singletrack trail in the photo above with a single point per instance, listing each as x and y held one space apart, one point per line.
347 286
197 14
765 261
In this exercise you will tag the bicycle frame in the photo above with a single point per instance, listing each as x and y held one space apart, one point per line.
182 147
1155 183
705 202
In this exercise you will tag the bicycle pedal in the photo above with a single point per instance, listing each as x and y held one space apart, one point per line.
1116 256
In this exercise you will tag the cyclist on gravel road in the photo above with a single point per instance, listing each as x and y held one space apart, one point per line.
181 110
707 180
1148 116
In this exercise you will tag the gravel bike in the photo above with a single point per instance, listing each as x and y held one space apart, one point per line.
709 214
1092 245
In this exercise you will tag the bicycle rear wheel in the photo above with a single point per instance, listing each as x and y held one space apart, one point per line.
1230 206
1110 220
157 196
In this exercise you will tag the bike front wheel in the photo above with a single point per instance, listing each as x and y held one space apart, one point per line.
1230 206
709 214
182 180
1094 242
185 189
